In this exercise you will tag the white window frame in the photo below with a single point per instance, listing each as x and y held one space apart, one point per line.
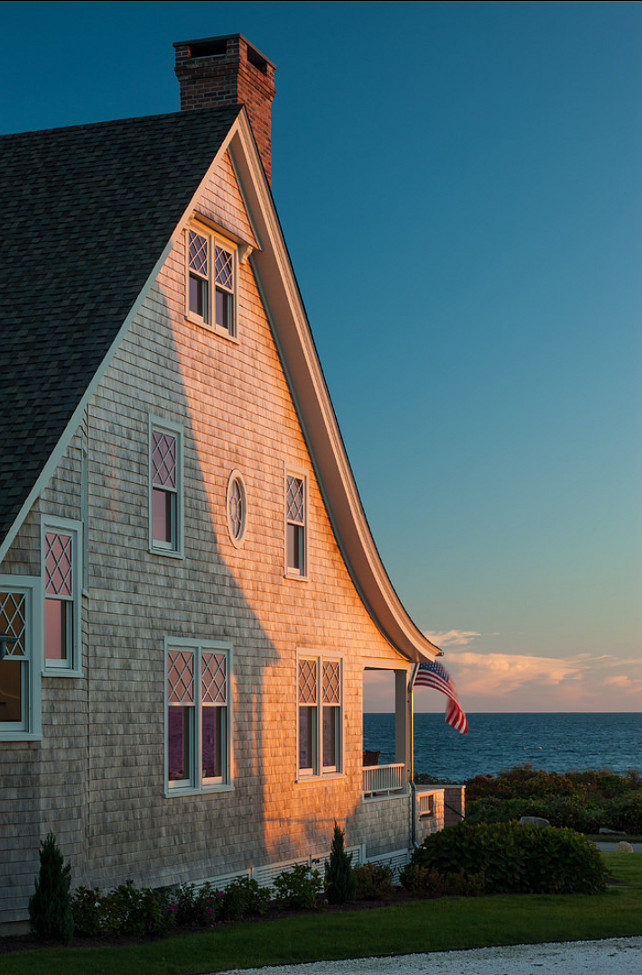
213 282
196 783
318 770
71 666
292 572
29 729
236 539
174 548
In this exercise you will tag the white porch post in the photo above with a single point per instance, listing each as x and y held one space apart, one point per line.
402 718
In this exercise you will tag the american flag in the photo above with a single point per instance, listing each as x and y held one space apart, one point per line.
432 674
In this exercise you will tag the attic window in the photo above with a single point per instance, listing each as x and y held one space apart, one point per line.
211 281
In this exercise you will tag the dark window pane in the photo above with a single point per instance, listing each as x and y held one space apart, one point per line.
163 516
223 309
56 616
198 296
178 743
307 720
330 722
11 672
212 731
295 547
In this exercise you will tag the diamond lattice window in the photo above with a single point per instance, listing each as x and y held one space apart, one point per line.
211 281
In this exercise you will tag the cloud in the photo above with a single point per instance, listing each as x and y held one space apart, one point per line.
451 638
500 674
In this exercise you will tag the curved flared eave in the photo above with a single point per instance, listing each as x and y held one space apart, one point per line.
293 337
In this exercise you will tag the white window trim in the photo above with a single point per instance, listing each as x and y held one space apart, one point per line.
288 572
229 245
318 773
198 786
175 551
236 476
72 667
31 730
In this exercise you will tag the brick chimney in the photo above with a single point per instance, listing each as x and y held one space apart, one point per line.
227 70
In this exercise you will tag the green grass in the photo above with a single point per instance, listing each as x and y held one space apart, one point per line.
434 925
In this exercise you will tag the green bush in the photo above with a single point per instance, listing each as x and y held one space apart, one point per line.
50 914
195 907
374 881
423 881
340 882
298 887
124 910
243 898
516 858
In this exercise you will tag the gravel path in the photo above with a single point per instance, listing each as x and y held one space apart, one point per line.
612 956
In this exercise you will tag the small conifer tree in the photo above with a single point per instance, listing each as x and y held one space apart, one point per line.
340 881
50 913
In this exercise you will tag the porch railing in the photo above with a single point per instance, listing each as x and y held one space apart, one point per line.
382 780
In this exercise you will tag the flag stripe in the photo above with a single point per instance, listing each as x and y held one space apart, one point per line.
432 674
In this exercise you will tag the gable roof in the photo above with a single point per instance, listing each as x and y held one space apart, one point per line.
85 213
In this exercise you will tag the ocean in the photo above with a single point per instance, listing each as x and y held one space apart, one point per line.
552 742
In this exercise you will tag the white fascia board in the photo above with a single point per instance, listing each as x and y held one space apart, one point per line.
284 307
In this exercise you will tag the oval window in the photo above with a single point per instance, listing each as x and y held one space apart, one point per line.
236 507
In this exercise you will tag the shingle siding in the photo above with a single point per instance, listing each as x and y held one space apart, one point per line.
97 777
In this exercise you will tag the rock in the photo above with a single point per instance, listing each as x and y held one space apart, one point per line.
623 847
535 820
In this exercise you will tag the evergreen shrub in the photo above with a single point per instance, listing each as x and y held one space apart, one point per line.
340 881
50 914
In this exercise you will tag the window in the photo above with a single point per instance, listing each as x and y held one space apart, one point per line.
236 508
19 675
320 709
211 281
198 720
295 542
61 583
165 514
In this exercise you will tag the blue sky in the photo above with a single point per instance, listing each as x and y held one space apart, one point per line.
459 186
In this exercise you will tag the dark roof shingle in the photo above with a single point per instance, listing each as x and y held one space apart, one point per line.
85 213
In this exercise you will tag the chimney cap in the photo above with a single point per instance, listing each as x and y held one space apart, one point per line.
207 46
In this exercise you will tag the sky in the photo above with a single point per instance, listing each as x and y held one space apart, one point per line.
460 189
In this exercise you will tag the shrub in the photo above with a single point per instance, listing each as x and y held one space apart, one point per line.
340 882
194 907
87 910
50 914
243 898
516 858
298 887
124 910
423 881
374 881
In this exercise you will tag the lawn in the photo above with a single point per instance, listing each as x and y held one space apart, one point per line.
434 925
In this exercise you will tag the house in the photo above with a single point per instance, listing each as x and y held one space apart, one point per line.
189 591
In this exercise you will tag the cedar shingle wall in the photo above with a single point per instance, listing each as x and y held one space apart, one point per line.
101 784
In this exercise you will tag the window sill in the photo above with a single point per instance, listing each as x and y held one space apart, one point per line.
296 576
203 791
224 333
61 672
20 735
328 777
167 553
